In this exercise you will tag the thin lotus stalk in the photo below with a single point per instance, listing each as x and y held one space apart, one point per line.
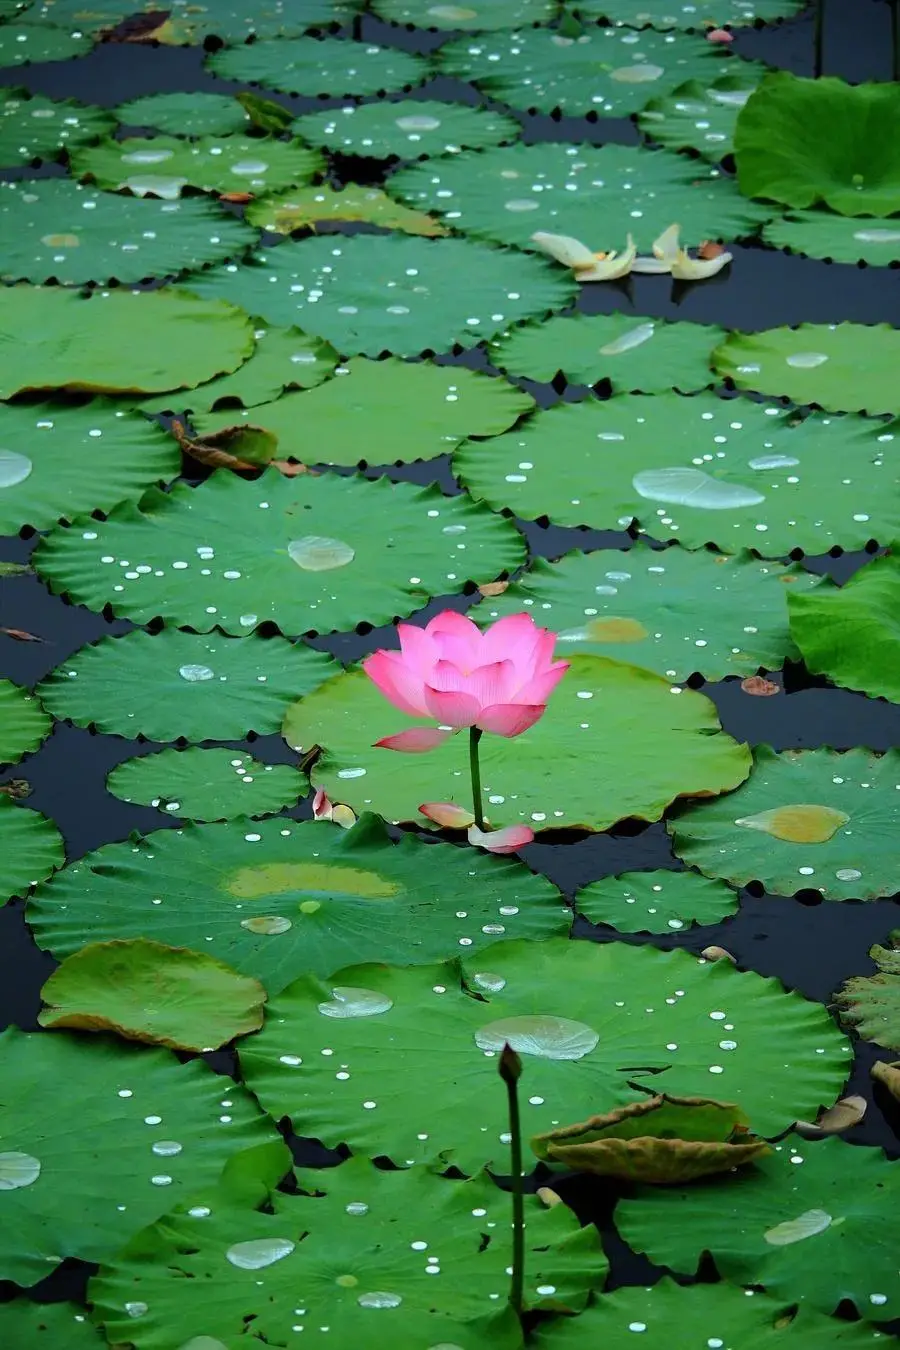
510 1067
819 38
475 770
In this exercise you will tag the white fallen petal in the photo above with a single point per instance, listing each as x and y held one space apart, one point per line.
564 249
686 268
669 256
667 246
612 266
646 264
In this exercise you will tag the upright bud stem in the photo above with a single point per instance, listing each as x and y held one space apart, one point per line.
510 1067
475 768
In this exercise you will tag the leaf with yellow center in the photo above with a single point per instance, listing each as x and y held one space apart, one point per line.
804 823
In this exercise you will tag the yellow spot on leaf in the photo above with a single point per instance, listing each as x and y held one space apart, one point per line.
329 878
800 824
61 241
616 630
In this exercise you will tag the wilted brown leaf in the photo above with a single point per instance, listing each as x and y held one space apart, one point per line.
762 688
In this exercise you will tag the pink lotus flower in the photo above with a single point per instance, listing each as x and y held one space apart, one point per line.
498 680
719 35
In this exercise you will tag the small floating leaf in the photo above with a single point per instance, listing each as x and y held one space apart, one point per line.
870 1004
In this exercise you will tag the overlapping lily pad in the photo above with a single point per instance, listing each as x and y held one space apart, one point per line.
660 901
736 473
306 208
162 165
48 1326
23 722
364 1268
384 412
58 339
194 114
476 14
30 848
371 294
870 1004
812 1224
229 20
578 1014
633 353
805 141
849 367
149 1132
310 554
811 819
174 684
611 71
698 116
824 234
409 129
329 67
35 127
596 194
55 229
562 772
675 612
852 633
197 784
676 14
276 898
22 43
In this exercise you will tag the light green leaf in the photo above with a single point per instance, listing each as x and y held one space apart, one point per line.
149 1132
822 234
672 611
698 116
392 294
870 1004
812 819
202 687
575 1011
845 367
35 127
22 43
564 771
320 66
48 1326
194 114
197 784
276 898
408 129
633 353
812 1224
802 141
308 207
23 722
668 14
58 339
476 14
163 165
398 410
661 901
612 191
30 848
736 473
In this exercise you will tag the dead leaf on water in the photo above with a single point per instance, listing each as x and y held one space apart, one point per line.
490 588
762 688
846 1113
888 1075
801 823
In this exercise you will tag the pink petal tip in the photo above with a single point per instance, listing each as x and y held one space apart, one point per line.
719 35
415 741
447 814
501 841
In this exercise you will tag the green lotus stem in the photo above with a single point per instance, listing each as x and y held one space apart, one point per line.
819 38
475 769
510 1067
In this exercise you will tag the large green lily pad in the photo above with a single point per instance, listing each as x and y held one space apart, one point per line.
813 1224
23 722
202 687
660 901
35 127
698 116
237 20
308 553
163 165
275 898
803 141
310 207
370 294
870 1004
384 412
633 353
54 338
613 71
194 114
148 1133
364 1268
48 1326
408 129
564 771
609 192
805 819
672 611
200 784
588 1021
30 848
477 14
849 367
325 66
670 14
823 234
740 474
851 633
22 43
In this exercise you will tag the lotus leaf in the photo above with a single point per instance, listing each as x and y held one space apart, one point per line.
870 1004
206 785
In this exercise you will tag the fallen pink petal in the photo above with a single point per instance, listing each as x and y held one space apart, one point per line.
508 840
448 815
719 35
322 807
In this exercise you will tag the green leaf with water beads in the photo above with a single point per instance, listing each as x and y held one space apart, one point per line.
565 771
612 191
609 71
24 43
35 127
736 473
591 1021
816 1230
370 294
59 339
676 612
698 116
200 784
408 129
274 898
805 819
384 412
23 722
365 1265
870 1004
229 20
306 208
851 633
48 1326
716 1313
148 1133
660 901
847 367
823 234
802 141
53 229
634 354
30 848
311 554
676 14
194 114
163 165
486 15
320 66
172 685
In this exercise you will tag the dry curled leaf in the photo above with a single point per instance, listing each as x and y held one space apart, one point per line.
710 249
888 1075
846 1113
239 198
762 688
20 635
718 954
491 588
